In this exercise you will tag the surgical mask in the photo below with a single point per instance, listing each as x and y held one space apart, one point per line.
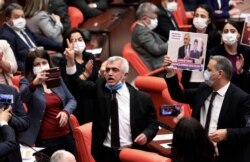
207 78
38 69
19 23
200 23
79 47
229 38
171 6
153 24
115 87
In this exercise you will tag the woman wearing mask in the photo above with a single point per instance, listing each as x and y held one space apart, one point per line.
202 23
48 108
86 69
235 52
8 65
166 21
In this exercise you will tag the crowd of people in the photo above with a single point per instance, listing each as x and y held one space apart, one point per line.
122 116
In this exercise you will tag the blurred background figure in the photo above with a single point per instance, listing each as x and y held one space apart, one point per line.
39 21
191 143
8 65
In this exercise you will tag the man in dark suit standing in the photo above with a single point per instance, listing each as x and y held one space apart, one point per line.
129 122
20 38
15 118
195 53
184 51
222 108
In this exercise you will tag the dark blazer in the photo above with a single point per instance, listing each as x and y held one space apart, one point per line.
9 145
181 51
142 112
102 5
36 107
234 116
20 48
59 7
149 45
166 23
19 122
214 6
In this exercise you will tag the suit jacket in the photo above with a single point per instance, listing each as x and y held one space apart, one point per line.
8 145
234 117
195 54
19 122
181 52
149 45
36 107
166 22
20 48
142 112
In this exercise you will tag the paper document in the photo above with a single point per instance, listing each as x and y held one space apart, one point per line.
166 145
27 153
94 51
163 137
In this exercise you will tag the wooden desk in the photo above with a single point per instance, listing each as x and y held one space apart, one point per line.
114 26
156 145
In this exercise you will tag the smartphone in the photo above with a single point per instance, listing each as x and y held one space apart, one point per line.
6 100
170 110
53 77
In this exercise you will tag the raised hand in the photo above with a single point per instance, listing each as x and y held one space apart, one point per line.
40 78
69 53
5 115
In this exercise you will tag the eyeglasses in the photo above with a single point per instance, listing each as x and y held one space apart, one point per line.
40 48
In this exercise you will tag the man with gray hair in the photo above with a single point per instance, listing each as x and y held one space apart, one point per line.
222 108
62 156
123 116
149 45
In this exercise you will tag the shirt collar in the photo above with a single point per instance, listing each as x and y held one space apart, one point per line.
122 89
222 91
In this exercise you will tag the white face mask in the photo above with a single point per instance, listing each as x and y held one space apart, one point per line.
229 38
200 23
38 69
207 78
79 47
172 6
19 23
153 24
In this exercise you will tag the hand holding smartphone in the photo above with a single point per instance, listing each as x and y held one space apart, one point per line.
53 77
170 110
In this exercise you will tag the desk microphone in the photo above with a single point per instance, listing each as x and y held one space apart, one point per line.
40 156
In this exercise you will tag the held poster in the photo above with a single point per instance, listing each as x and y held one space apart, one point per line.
187 50
245 37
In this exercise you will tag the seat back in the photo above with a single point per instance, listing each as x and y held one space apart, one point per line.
181 17
133 58
134 155
75 16
83 137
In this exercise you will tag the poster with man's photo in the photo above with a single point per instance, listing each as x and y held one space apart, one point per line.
245 37
187 50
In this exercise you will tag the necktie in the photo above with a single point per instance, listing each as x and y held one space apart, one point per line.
115 137
27 39
209 112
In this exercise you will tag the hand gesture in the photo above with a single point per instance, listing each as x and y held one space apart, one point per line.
89 67
181 115
239 64
218 135
63 118
40 78
141 139
166 64
5 115
56 18
69 53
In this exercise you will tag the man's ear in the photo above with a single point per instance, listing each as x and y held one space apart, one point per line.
125 77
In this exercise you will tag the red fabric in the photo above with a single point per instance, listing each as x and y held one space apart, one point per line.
50 124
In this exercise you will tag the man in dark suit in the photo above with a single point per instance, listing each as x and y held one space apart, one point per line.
195 53
184 51
18 120
149 45
226 117
135 111
20 38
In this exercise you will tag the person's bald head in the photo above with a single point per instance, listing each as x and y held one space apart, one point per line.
62 156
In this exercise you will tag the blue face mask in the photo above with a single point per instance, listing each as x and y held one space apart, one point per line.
115 87
207 77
